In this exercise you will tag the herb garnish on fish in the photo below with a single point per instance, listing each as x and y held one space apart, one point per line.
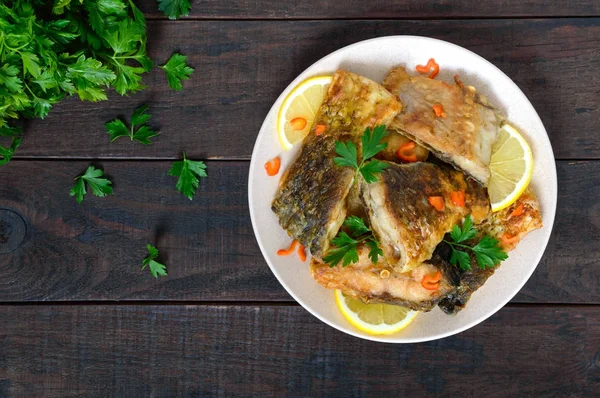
487 252
346 245
371 146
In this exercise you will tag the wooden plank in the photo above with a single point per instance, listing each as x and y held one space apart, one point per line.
99 351
93 251
242 67
401 9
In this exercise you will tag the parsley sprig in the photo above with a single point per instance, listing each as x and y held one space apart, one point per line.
487 251
188 172
177 70
94 178
149 261
346 245
116 128
371 146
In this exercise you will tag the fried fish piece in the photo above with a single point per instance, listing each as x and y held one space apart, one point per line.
311 200
406 225
517 220
463 135
381 283
394 140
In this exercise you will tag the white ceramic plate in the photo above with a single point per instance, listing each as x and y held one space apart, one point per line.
373 58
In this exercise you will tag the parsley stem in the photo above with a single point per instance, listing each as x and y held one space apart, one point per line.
457 244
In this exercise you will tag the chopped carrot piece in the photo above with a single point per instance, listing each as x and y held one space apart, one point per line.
508 239
518 210
319 129
437 202
431 64
439 110
288 251
431 282
298 123
272 166
458 198
302 253
405 152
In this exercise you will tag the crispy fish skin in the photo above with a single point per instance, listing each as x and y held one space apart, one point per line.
381 283
464 137
496 225
406 225
311 200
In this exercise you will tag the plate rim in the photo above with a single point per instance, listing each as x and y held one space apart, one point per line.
378 338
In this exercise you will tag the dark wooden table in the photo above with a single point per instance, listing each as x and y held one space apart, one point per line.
79 318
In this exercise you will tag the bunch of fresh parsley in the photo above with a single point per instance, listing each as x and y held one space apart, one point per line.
49 50
346 245
487 251
371 146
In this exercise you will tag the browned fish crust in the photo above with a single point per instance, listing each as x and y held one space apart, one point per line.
463 136
499 223
311 200
407 226
380 283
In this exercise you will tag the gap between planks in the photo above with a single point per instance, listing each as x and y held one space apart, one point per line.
212 303
392 18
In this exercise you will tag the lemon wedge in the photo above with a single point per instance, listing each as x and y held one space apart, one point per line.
511 168
298 110
374 318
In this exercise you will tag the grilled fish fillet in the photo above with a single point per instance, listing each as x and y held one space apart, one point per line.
497 225
381 283
311 200
406 225
464 137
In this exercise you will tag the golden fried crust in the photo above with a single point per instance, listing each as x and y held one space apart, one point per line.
310 202
407 226
381 283
515 226
463 136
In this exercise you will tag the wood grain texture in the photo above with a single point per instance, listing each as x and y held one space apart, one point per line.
242 67
93 251
192 351
332 9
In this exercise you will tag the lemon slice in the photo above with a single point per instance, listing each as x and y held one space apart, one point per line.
511 168
374 318
298 110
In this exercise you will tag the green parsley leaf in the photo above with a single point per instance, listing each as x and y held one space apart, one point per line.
465 233
16 136
371 142
345 250
487 251
174 8
348 155
370 170
149 261
346 246
116 128
375 251
177 70
94 178
371 146
461 258
356 225
188 172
